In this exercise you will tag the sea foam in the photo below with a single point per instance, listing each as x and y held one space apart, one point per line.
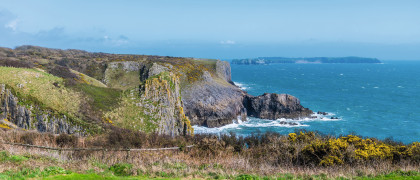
242 85
256 123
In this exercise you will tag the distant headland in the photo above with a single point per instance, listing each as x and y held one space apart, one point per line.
300 60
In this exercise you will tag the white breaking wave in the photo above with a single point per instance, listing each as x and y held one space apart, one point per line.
242 85
264 123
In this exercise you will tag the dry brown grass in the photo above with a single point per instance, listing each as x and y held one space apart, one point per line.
210 156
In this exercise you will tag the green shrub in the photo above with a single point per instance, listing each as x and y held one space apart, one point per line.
53 170
246 177
404 173
121 169
5 156
26 173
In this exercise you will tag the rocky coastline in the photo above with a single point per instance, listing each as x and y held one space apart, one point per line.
166 95
212 103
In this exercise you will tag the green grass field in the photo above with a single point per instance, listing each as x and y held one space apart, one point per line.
124 170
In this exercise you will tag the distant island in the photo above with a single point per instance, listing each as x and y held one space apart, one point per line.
300 60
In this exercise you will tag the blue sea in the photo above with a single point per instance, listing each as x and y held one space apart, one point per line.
371 100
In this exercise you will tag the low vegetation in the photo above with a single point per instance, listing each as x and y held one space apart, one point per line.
300 155
68 82
101 98
34 86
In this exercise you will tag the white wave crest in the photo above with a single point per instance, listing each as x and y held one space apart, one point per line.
264 123
242 86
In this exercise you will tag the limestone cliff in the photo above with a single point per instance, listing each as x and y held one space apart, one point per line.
212 104
154 102
216 101
223 71
34 117
146 93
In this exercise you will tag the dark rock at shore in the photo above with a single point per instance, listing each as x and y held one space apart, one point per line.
322 113
212 104
216 101
223 105
289 123
168 91
275 106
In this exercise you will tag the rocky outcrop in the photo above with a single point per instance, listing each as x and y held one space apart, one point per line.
157 93
33 117
216 101
212 104
166 107
275 106
223 71
155 96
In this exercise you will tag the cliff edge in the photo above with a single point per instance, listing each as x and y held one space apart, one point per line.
78 92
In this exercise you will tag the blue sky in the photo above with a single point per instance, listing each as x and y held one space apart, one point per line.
219 28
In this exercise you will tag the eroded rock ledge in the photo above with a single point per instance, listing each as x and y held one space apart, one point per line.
216 101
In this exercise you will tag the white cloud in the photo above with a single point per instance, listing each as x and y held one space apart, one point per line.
12 24
121 40
227 42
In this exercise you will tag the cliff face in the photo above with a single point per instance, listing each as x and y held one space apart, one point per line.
33 117
215 102
146 93
223 71
212 104
154 102
167 106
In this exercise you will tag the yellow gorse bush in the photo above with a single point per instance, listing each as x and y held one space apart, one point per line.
327 152
330 160
292 137
5 126
351 139
333 151
413 150
371 150
305 136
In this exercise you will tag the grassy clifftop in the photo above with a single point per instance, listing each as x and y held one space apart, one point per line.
95 64
36 86
103 90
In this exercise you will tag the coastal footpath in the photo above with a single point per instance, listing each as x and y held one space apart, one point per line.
78 92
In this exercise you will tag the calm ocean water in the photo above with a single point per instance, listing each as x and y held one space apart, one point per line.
375 100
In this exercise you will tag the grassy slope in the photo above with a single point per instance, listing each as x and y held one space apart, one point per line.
35 84
119 79
89 80
102 98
